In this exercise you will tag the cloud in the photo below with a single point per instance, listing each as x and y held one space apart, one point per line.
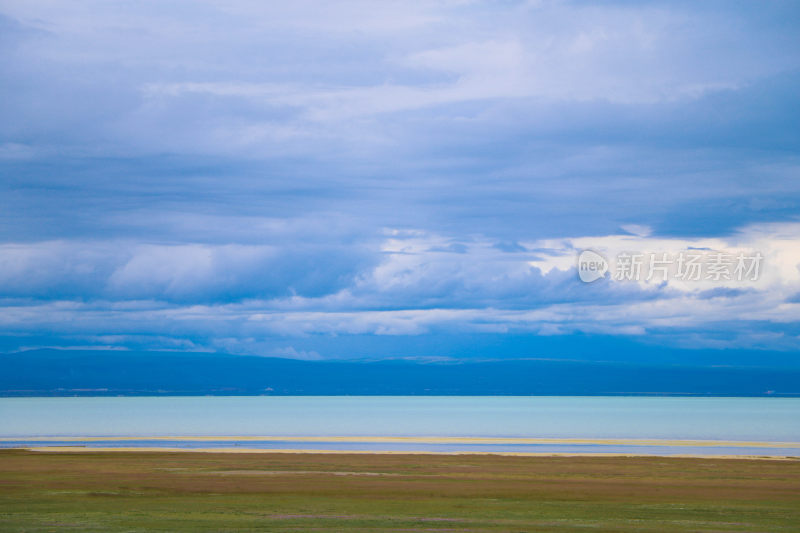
244 299
220 176
238 79
122 271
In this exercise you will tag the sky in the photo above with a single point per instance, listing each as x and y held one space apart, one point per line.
358 179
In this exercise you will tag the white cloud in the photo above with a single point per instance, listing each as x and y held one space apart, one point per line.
424 284
779 243
223 168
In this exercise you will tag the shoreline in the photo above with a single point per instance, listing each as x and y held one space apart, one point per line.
166 449
415 440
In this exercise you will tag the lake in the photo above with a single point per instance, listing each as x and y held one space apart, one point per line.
25 422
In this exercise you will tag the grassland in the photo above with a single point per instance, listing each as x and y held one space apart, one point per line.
141 491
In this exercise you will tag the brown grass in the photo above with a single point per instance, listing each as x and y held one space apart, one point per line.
379 492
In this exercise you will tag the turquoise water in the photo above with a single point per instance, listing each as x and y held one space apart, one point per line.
747 419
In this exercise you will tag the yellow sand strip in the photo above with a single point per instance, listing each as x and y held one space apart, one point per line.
423 440
81 449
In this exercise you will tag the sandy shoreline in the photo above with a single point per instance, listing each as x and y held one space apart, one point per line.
646 447
416 440
165 449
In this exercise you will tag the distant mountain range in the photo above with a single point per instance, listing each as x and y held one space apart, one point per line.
111 373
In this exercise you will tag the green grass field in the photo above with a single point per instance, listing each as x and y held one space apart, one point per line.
139 491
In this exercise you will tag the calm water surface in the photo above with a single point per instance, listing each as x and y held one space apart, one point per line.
759 419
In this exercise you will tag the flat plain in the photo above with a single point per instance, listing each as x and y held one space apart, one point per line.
162 491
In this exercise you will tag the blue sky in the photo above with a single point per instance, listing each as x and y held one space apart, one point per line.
395 179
